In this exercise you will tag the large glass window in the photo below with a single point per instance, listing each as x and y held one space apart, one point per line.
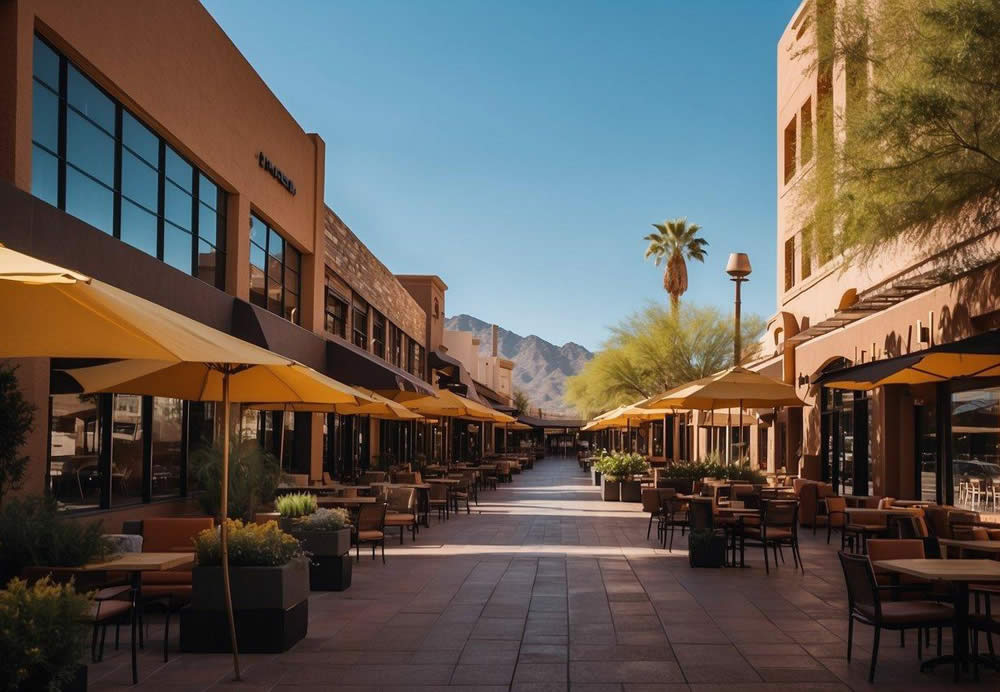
336 314
925 417
359 322
167 450
126 449
275 267
95 160
975 439
378 334
74 451
395 345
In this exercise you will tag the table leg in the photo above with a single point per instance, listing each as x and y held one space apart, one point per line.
136 599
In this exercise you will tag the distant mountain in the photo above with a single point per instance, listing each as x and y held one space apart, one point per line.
541 368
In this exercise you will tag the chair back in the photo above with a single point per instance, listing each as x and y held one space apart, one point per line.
650 500
895 549
836 514
348 492
300 480
371 517
779 514
172 534
905 527
862 589
439 491
327 480
400 500
370 477
701 514
741 491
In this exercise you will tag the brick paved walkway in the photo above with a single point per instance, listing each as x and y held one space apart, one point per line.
546 588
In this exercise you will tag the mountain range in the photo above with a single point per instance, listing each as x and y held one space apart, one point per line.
540 369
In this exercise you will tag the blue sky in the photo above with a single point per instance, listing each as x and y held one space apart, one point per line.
521 150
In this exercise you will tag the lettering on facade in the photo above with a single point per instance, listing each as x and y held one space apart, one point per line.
275 172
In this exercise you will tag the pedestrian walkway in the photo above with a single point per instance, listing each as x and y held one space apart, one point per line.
544 587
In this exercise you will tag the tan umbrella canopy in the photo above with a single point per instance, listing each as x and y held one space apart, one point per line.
733 387
169 354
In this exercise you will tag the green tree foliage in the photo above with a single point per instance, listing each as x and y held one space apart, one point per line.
16 419
521 403
656 349
675 242
920 157
253 477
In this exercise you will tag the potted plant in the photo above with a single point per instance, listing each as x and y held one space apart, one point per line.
619 471
706 548
326 536
43 638
269 587
294 506
33 535
253 478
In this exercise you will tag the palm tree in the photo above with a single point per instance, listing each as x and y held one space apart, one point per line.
675 241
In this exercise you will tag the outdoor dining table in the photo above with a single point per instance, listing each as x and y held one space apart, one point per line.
958 573
992 547
135 564
731 519
451 483
888 512
335 500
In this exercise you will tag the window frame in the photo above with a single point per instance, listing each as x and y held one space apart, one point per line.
332 296
281 280
118 197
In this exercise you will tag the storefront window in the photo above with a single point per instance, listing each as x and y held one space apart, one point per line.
126 449
275 268
925 416
95 160
167 450
336 314
74 453
975 430
657 438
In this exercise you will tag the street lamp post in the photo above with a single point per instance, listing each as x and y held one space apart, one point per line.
738 268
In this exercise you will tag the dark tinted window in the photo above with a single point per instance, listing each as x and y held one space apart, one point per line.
273 284
159 210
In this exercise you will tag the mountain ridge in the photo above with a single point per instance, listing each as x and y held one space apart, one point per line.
540 367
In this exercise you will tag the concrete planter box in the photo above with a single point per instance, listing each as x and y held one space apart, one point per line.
710 554
596 476
611 491
253 588
631 491
325 543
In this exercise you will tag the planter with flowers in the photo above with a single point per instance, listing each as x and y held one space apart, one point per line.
43 636
325 535
618 476
293 506
269 583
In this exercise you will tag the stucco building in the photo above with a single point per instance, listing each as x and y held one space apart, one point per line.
138 145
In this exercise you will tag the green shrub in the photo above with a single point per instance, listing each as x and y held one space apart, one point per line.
253 476
250 545
325 520
42 635
696 470
33 533
621 465
295 505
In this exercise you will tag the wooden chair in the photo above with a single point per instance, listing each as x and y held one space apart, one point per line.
370 528
438 499
400 511
865 606
673 513
861 526
835 518
778 527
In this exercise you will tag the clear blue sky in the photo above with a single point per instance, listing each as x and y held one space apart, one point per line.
521 149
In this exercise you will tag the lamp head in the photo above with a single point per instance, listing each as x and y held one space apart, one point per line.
738 266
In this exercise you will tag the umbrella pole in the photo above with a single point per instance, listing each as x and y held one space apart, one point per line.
729 436
224 529
740 438
281 444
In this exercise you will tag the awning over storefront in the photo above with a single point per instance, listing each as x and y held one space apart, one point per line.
977 356
536 422
348 363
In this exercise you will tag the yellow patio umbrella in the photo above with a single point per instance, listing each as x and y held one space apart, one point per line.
733 387
447 403
169 353
518 425
736 386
